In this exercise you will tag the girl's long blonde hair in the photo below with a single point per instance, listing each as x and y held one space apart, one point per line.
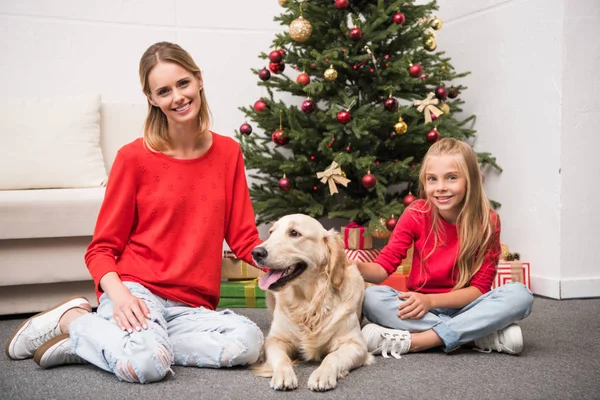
156 125
476 221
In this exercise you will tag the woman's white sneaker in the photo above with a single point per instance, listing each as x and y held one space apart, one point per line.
508 340
55 352
380 340
40 328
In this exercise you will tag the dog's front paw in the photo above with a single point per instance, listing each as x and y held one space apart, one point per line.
322 379
284 378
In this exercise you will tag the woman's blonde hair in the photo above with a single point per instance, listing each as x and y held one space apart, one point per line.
475 222
156 125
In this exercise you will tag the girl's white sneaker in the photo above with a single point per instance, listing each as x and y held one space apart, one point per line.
508 340
380 340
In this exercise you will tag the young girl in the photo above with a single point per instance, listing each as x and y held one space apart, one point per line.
456 239
171 200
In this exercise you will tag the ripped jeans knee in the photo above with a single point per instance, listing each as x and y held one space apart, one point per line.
150 365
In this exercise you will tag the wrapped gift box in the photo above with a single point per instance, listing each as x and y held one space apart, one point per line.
233 268
355 238
512 271
371 254
242 294
397 281
362 255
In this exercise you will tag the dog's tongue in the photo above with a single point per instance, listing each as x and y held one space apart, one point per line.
269 278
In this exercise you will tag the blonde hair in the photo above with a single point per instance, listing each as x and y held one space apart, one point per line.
156 124
476 221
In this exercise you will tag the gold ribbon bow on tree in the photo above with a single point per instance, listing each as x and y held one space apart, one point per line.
333 175
428 106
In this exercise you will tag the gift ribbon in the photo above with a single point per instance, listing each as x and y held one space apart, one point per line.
516 271
427 106
333 175
244 269
250 293
354 225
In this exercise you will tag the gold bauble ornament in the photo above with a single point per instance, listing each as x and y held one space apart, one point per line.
443 68
430 43
445 108
436 23
300 30
381 232
400 127
282 2
330 73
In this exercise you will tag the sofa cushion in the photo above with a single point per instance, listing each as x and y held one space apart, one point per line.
51 143
50 260
47 213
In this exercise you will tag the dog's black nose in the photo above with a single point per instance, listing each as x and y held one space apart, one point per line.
259 253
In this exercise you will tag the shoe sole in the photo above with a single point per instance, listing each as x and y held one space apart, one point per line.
24 323
39 353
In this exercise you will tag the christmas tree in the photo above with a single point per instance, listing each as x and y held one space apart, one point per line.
372 94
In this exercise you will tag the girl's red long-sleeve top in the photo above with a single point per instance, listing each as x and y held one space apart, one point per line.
439 273
163 221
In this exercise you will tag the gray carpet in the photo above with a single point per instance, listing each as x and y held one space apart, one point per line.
561 360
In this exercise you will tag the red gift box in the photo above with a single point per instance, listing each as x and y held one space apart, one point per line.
355 238
397 281
512 271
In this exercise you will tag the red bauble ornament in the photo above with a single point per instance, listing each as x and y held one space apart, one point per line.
391 104
279 137
399 18
285 184
453 92
433 116
355 34
390 224
369 180
260 106
344 117
432 136
415 70
308 106
441 93
276 68
303 79
282 52
408 199
264 74
245 129
341 4
275 56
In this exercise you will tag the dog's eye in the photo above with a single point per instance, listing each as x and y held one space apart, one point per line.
294 233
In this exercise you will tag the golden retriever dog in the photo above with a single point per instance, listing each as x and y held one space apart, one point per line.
318 305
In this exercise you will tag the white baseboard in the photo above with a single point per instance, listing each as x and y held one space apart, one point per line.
578 288
544 286
573 288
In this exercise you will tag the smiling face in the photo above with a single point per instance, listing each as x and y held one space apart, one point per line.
445 185
176 91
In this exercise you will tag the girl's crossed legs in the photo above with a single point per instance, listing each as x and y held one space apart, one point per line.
486 315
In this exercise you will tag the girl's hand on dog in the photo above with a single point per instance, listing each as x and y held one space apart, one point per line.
414 306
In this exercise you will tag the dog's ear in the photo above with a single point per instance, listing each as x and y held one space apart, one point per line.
336 265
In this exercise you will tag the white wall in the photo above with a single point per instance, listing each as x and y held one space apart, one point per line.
532 87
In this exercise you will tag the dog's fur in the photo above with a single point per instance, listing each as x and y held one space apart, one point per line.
317 313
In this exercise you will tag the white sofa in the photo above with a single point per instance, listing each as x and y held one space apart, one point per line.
44 232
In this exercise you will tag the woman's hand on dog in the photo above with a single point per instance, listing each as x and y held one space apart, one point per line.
414 306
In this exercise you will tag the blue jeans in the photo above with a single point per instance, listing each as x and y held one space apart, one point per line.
489 313
177 334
